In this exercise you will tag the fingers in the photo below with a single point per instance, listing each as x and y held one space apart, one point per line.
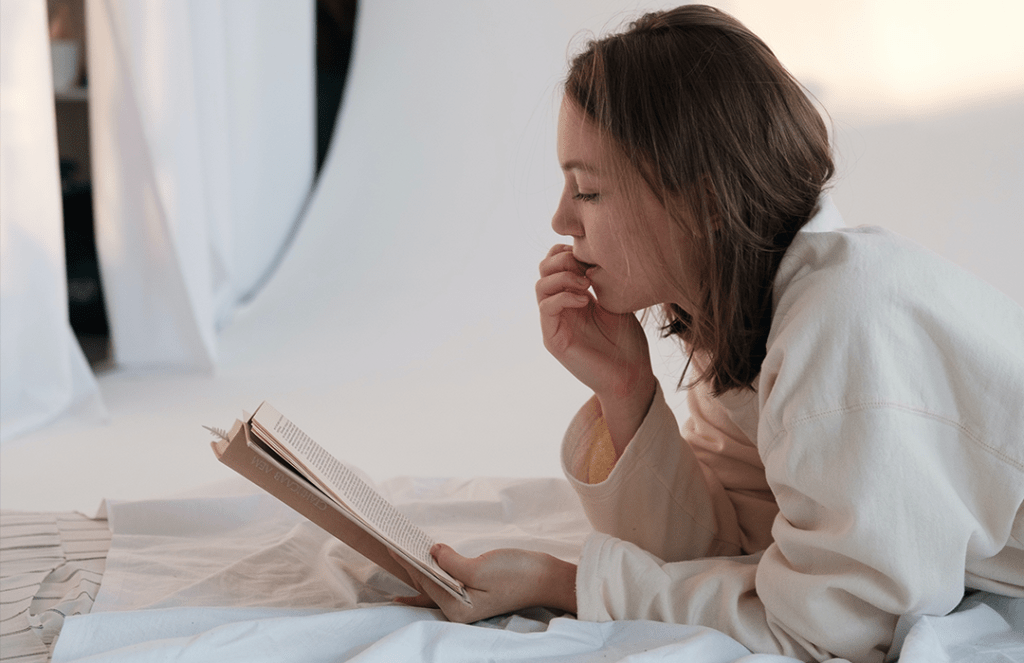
557 331
558 248
419 601
561 259
457 566
431 595
562 281
499 581
419 582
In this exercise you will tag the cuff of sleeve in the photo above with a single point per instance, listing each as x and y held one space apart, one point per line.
583 450
590 604
616 579
588 455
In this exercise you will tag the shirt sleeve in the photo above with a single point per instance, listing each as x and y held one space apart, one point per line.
876 520
686 512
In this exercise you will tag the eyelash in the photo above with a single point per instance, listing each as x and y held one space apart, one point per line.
586 197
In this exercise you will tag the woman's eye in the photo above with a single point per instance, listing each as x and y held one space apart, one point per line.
586 197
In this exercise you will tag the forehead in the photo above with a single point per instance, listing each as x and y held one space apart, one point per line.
582 146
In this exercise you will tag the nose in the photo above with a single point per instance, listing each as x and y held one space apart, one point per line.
565 221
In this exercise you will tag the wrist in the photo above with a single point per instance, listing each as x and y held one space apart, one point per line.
559 585
625 412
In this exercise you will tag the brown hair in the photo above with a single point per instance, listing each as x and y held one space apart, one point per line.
729 142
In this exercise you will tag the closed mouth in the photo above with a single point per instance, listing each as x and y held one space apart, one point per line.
586 265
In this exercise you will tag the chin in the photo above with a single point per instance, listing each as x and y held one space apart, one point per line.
612 305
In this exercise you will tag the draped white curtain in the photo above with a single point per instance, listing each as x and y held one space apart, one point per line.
42 369
202 120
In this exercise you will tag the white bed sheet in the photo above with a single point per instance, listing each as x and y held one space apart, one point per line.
237 576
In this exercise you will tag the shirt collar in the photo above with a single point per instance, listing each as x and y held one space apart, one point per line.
827 218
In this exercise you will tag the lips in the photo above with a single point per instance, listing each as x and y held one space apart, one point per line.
586 265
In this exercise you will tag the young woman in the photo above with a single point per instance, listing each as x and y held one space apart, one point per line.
855 447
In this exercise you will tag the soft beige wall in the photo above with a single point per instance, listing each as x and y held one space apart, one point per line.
886 58
925 100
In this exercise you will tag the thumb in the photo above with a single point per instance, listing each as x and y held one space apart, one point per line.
452 562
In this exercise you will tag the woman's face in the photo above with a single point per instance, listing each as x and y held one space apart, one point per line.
603 199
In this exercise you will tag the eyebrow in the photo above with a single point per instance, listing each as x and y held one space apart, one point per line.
575 164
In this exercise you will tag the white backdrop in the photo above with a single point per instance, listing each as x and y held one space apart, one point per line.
401 331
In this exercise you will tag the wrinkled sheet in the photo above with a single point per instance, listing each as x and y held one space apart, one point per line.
51 565
238 576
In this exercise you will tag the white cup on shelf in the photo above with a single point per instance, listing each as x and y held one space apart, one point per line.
65 63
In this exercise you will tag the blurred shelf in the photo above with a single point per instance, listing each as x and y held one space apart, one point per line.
72 94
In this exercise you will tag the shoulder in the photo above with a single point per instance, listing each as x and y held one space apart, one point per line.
865 318
860 265
848 282
855 282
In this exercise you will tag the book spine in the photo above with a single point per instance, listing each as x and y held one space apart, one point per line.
236 454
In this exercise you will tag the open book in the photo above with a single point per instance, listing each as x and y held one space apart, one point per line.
273 453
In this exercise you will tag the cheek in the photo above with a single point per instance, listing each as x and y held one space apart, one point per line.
606 244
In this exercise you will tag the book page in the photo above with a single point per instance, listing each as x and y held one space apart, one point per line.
342 484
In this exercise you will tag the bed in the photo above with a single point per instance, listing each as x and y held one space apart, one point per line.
229 573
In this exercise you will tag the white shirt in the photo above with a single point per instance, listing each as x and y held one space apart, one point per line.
877 470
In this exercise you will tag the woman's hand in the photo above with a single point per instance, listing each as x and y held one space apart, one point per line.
498 582
608 352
